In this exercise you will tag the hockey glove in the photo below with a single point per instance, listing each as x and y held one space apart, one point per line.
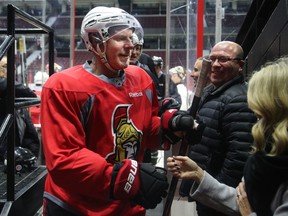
175 120
143 184
195 136
125 180
168 103
154 185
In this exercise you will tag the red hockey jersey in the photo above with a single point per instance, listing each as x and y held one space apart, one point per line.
89 123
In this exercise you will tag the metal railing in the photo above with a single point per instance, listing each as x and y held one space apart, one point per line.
8 46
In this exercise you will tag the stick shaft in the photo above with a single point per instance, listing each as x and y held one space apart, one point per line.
201 83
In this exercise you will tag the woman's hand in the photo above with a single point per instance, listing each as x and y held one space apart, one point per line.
242 200
184 168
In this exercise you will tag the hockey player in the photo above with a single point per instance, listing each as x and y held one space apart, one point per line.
97 120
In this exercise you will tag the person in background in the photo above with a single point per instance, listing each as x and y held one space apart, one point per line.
178 76
173 92
39 80
196 69
147 60
57 68
138 42
222 142
264 186
97 120
26 134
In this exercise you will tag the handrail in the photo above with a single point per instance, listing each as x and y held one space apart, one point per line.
5 45
9 46
26 102
5 126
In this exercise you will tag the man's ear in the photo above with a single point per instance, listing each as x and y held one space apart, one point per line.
241 64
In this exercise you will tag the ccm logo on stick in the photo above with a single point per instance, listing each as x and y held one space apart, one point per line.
131 176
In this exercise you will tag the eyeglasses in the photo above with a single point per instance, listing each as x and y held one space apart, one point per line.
222 59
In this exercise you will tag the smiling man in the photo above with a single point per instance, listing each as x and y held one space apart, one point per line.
221 147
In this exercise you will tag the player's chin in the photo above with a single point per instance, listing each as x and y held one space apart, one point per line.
124 64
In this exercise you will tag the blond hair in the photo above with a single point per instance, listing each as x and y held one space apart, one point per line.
268 98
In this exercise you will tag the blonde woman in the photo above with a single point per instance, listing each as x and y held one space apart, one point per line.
264 186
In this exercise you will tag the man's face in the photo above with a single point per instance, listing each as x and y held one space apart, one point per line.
135 55
225 66
118 50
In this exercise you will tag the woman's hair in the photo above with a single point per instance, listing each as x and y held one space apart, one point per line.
268 98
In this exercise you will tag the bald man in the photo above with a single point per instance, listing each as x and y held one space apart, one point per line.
221 146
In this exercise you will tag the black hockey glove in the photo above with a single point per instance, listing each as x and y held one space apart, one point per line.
195 136
168 103
175 120
154 185
142 183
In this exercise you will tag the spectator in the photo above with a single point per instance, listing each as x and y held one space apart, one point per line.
26 134
221 147
264 186
97 119
196 69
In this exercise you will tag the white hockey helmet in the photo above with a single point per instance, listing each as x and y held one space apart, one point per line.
137 40
158 61
100 19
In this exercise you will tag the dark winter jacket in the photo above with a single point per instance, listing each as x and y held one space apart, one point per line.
152 75
26 134
263 176
226 138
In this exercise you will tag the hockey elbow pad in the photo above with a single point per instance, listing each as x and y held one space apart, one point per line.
154 185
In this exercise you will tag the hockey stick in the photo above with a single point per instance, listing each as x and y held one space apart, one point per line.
201 83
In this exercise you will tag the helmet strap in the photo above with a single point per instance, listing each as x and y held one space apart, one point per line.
103 57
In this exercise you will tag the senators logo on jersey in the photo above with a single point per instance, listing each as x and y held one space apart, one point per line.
127 138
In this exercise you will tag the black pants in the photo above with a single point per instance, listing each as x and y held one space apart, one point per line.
52 209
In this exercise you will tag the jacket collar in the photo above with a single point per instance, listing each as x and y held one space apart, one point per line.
235 80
